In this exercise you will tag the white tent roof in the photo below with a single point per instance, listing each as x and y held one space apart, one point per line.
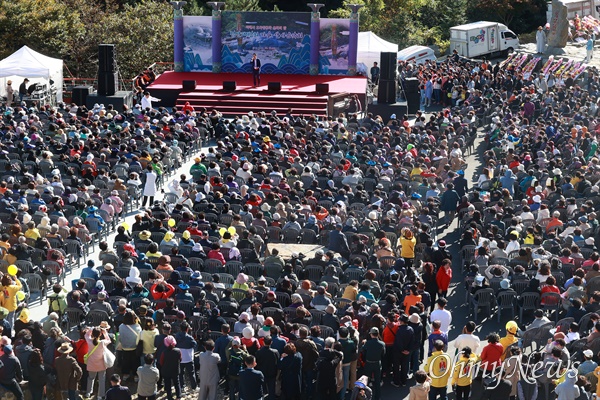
370 47
27 63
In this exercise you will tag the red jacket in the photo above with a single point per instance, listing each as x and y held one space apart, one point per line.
492 353
443 278
162 295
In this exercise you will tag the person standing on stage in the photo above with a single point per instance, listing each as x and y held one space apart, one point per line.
255 70
375 74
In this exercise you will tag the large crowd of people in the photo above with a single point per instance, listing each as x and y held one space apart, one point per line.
201 295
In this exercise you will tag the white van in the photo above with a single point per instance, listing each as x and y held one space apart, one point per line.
416 54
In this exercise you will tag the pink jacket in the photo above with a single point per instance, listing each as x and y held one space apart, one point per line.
95 361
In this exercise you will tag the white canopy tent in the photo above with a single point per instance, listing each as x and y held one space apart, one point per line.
27 63
370 47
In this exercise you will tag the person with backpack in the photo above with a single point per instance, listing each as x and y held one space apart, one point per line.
170 365
236 354
57 300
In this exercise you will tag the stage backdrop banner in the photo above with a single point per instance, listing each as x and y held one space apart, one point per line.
333 46
197 38
280 40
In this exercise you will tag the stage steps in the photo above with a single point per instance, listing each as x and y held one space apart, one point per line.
240 103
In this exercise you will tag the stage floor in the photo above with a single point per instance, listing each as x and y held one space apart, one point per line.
208 81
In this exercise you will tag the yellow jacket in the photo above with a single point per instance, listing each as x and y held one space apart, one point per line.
438 367
9 300
506 341
463 370
408 248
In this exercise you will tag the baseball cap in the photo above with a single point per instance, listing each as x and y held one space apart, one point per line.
587 353
374 331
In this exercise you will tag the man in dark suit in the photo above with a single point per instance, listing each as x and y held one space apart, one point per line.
266 360
251 381
255 63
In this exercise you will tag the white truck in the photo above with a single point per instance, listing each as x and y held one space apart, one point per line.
482 38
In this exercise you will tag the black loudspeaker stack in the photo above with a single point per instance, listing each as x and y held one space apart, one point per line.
387 67
108 83
188 86
229 86
107 60
322 88
108 77
413 96
386 91
80 94
274 86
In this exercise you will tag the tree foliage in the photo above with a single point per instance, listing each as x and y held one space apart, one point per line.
72 29
520 15
44 25
142 30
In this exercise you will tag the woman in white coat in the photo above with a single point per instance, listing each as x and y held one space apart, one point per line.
540 39
150 186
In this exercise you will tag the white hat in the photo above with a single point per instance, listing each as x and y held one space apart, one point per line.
590 241
588 353
537 199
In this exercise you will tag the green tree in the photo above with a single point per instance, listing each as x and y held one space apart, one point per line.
43 25
519 15
142 34
242 5
369 14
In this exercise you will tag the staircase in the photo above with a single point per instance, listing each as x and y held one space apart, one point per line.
238 103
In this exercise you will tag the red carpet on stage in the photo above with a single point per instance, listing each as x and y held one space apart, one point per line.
297 92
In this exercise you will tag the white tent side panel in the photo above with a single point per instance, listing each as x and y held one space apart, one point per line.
38 68
370 47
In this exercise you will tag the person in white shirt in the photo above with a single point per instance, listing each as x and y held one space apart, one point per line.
513 245
467 338
147 101
442 315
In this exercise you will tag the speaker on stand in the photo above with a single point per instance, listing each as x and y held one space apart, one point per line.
386 93
413 95
80 94
387 69
108 83
108 75
107 61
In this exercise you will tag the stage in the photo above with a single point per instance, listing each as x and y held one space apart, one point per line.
298 92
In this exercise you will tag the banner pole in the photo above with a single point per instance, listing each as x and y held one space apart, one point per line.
217 10
315 37
178 34
353 40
